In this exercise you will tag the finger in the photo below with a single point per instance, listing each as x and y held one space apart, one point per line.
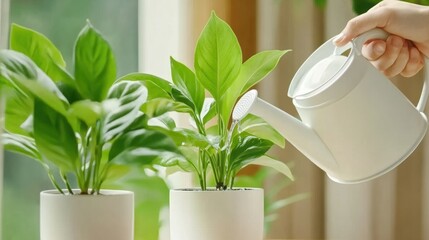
360 24
415 63
393 48
400 63
374 49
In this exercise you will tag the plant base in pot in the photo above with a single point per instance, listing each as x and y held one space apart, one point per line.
236 214
107 216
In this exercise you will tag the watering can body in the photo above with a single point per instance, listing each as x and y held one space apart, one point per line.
355 124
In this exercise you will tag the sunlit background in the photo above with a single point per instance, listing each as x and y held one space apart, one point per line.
144 33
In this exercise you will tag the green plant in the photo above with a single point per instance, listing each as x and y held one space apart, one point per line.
75 126
223 148
362 6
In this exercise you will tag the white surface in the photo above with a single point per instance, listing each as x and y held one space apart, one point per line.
362 211
297 133
320 74
109 216
217 215
353 116
165 29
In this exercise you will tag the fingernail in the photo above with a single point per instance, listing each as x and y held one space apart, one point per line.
338 38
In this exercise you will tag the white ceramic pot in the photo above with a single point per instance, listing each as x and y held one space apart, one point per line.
217 215
108 216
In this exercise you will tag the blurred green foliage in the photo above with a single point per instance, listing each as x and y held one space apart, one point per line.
273 200
24 178
151 195
361 6
61 21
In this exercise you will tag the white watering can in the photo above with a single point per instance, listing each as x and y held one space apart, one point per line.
355 124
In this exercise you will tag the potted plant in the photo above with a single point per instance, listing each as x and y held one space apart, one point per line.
215 147
77 127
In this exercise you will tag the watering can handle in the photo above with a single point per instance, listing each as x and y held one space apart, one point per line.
425 92
378 33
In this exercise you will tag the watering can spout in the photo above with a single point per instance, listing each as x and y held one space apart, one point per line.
301 136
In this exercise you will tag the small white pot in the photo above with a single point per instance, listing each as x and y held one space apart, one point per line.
108 216
217 215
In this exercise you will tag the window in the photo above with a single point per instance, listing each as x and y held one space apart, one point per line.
61 22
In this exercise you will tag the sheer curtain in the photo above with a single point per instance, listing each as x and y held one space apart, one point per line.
292 25
393 206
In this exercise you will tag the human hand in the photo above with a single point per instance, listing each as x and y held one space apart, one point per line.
404 50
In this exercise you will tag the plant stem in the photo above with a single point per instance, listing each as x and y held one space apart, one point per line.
66 182
101 179
202 176
203 187
214 166
52 178
199 123
205 173
97 154
202 162
231 179
81 170
232 182
88 162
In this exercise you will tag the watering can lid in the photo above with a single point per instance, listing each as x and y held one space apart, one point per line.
319 76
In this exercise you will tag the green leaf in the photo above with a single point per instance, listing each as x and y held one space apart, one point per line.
159 106
141 121
179 97
27 126
20 144
189 161
54 137
87 111
185 137
209 110
164 121
258 127
257 179
95 67
131 96
188 85
71 93
258 67
18 108
156 86
275 164
28 78
142 146
41 50
252 71
218 57
247 148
